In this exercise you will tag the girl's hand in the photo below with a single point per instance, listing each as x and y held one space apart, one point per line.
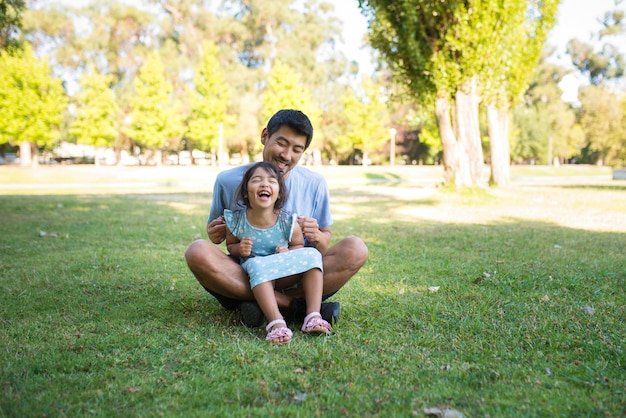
281 249
245 247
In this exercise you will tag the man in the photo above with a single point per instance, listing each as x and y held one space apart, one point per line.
287 135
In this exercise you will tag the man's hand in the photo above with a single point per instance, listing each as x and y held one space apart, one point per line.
245 247
216 230
311 231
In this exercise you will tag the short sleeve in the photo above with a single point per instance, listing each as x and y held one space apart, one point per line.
233 222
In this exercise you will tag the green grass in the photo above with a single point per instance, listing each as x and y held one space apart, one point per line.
101 317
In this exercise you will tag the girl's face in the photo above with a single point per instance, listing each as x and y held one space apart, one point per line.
263 189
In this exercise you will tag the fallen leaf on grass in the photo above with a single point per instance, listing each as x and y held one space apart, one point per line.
132 390
443 412
589 310
485 275
43 234
299 398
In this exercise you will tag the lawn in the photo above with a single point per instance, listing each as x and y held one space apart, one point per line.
507 302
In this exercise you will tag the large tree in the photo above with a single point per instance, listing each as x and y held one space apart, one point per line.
286 89
154 119
251 35
32 102
603 63
544 127
601 119
520 29
97 119
451 53
367 119
209 102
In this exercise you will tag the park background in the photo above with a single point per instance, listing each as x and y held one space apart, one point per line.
181 82
500 301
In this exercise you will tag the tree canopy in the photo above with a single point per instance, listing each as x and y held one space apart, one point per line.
167 76
10 20
32 102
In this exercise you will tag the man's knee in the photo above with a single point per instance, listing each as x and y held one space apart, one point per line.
351 253
357 250
194 251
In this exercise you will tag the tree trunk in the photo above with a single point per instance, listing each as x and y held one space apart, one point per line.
26 156
498 121
448 140
468 131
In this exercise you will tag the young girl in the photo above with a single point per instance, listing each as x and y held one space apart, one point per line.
270 245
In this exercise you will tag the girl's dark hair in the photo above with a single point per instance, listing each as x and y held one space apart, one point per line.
270 168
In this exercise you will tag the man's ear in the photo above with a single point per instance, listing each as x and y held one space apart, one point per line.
264 136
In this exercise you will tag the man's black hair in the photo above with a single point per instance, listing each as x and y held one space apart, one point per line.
295 119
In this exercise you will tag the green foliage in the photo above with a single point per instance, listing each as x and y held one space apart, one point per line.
367 120
97 112
438 46
285 90
10 20
462 50
598 66
32 102
530 140
602 120
428 134
604 64
525 38
210 101
543 126
154 116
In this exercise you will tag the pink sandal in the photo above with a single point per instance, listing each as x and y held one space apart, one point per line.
315 325
274 335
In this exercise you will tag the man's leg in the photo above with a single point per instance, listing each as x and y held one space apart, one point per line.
223 277
342 261
217 272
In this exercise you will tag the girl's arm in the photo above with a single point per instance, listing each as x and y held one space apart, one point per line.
297 238
238 248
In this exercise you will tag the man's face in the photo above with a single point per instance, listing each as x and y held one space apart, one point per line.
284 148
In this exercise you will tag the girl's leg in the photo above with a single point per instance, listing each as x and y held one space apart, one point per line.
264 295
313 284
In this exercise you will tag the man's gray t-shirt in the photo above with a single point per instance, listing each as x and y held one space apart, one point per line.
308 194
